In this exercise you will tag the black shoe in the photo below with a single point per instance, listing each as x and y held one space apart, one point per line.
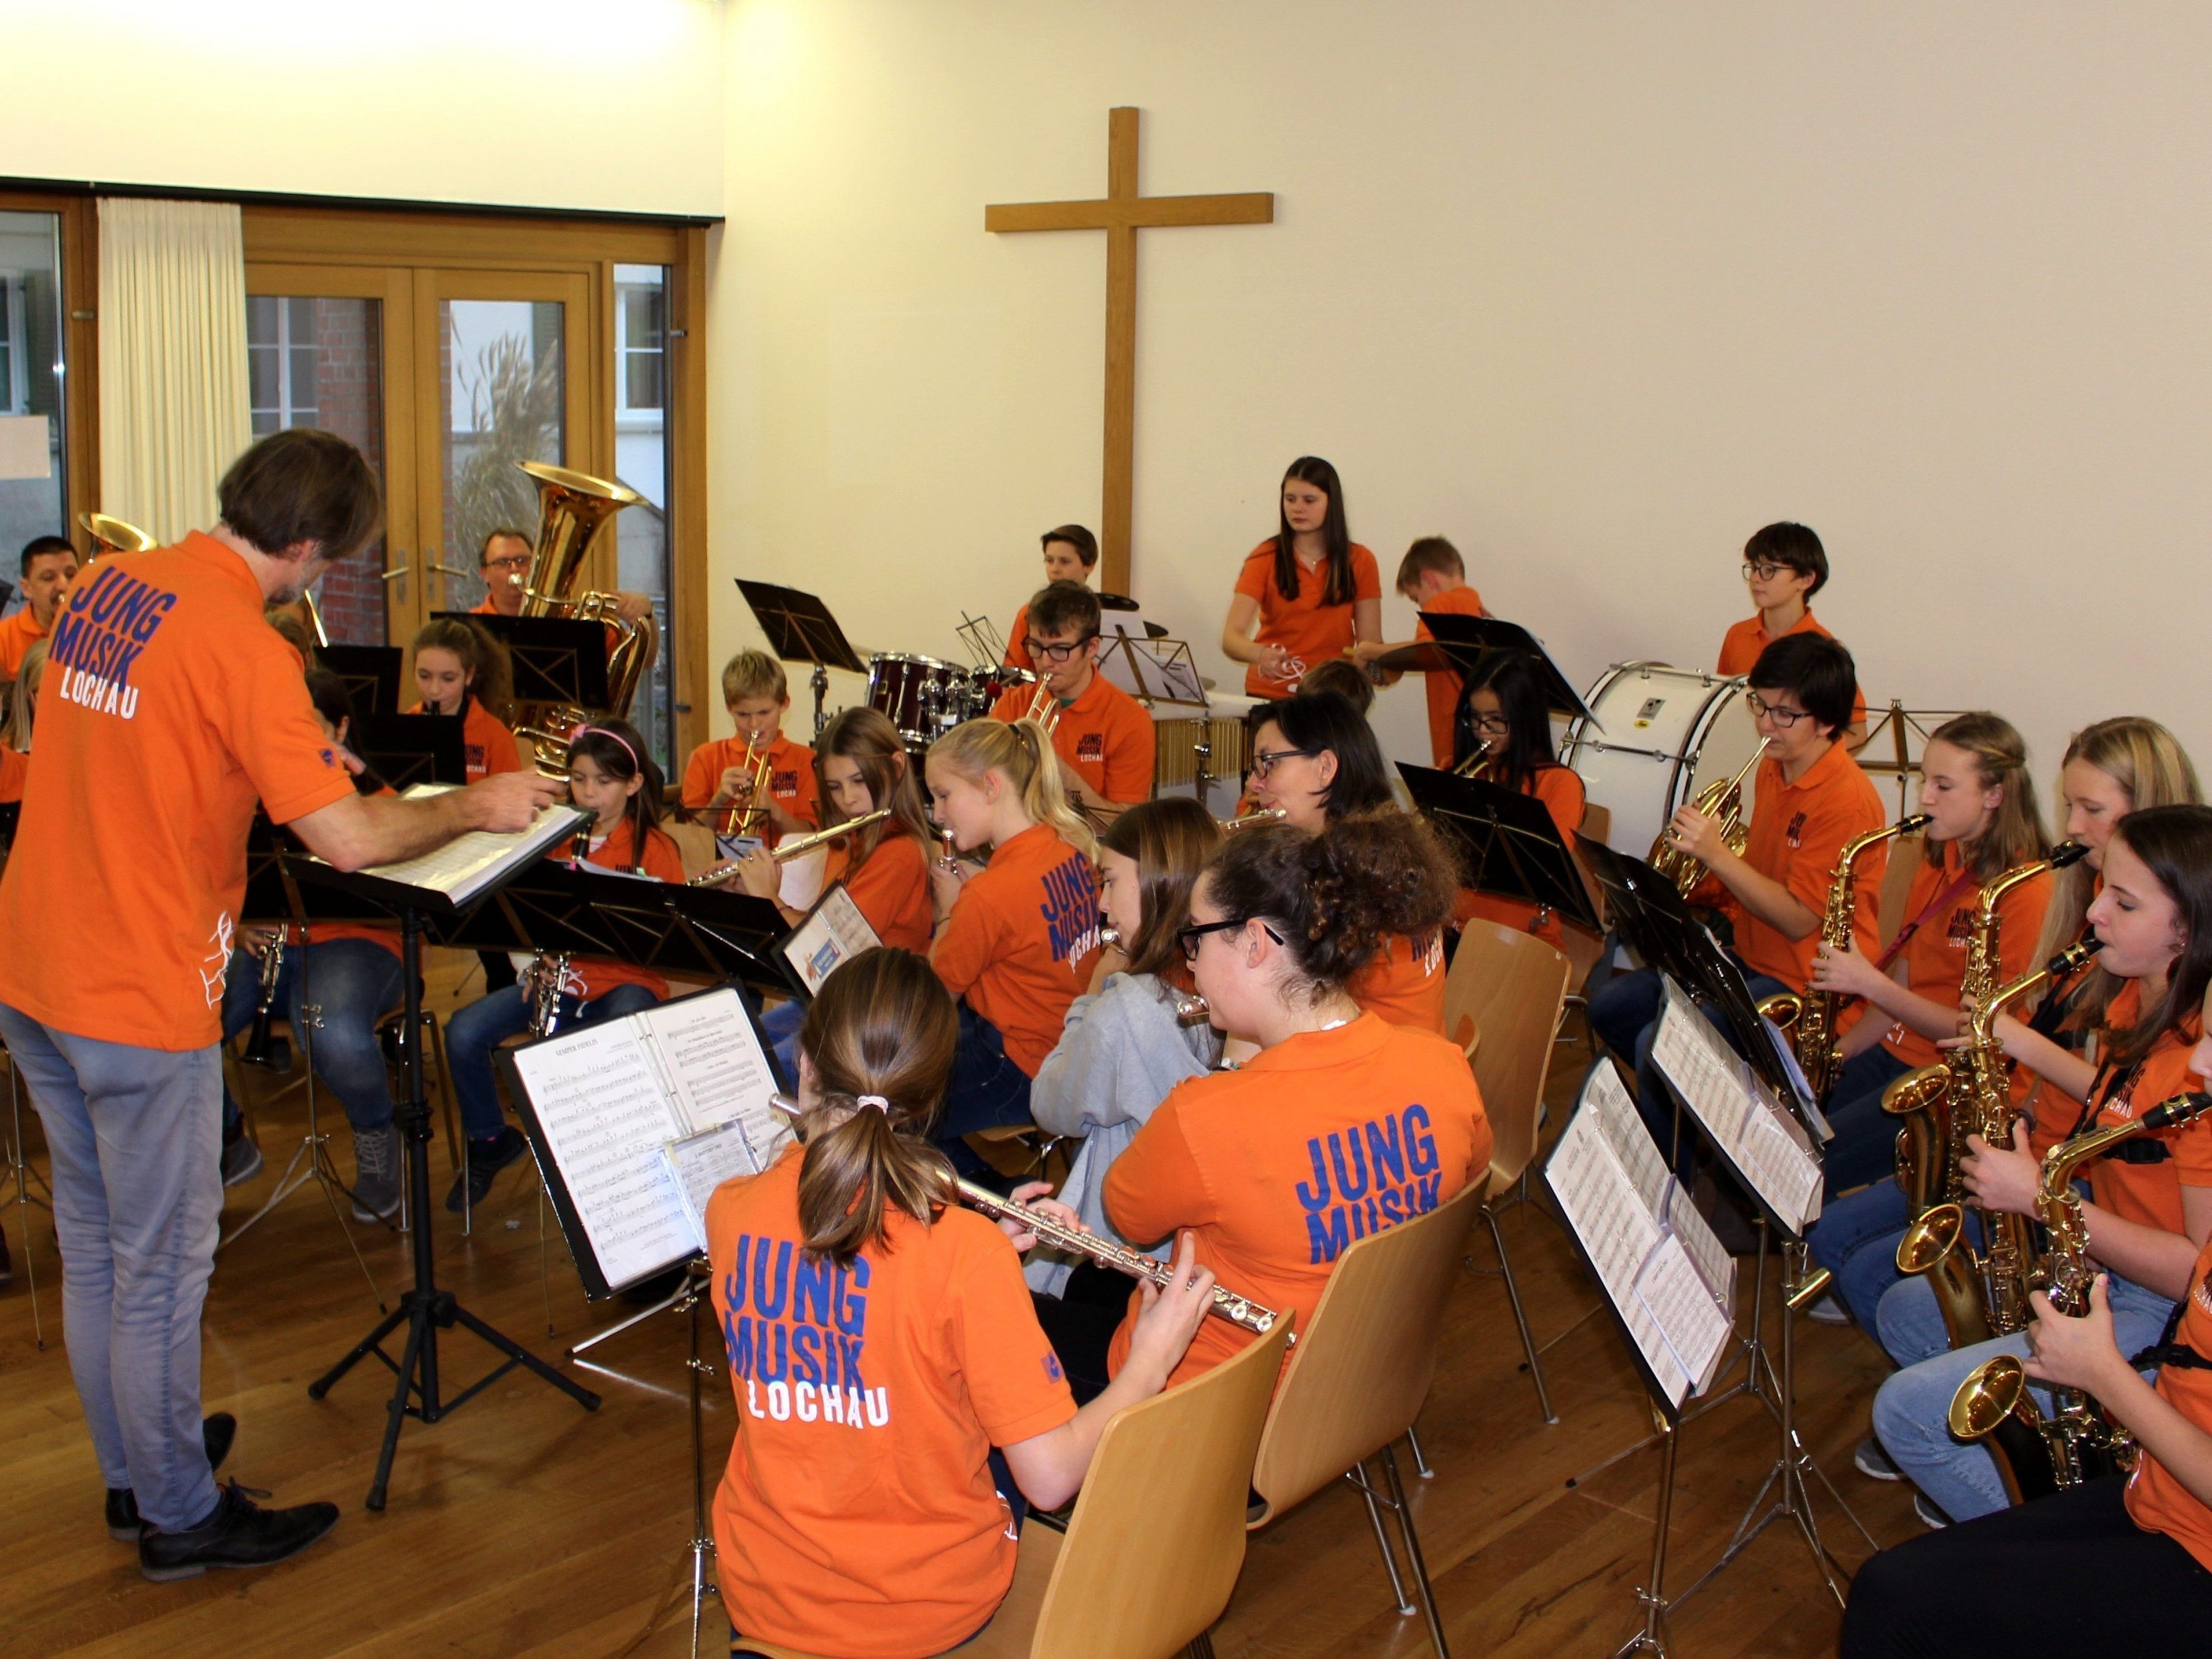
240 1533
486 1160
217 1433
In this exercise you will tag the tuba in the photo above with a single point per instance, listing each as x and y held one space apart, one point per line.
113 535
1723 801
571 507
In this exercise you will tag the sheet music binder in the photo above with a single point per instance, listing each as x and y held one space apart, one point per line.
1506 840
833 931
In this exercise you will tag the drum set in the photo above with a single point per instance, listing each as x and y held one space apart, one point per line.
925 698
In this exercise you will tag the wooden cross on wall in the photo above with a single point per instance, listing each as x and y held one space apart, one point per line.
1121 214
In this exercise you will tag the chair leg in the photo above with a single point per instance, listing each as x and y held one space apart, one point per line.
1520 1318
1414 1551
1359 1478
1420 1464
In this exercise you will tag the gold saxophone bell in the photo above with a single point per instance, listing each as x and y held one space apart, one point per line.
1990 1393
113 535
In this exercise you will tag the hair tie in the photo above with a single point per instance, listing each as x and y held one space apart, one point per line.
876 1101
577 731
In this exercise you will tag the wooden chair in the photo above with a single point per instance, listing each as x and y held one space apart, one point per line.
1357 1379
1514 986
1157 1537
695 845
1597 823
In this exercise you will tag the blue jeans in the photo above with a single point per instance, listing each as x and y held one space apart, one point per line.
1864 1150
1856 1239
474 1031
1625 1014
780 1025
135 1139
355 982
986 1090
1911 1411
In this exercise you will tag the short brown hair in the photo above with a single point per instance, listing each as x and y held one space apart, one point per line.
1792 546
502 533
1346 679
302 484
753 674
1084 543
1430 553
1064 607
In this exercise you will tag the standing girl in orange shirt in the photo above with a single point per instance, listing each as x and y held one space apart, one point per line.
1315 758
864 1511
1015 939
1314 592
459 670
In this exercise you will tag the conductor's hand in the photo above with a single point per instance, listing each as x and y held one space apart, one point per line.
759 874
2002 1178
1171 1316
1693 832
1034 1195
506 802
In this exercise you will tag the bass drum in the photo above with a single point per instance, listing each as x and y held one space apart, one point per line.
1660 736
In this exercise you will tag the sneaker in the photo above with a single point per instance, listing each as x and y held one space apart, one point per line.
1872 1462
1827 1312
242 1161
239 1534
1929 1513
486 1160
376 1174
217 1433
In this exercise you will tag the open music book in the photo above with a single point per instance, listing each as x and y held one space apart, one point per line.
636 1120
468 864
1764 1143
833 930
1667 1278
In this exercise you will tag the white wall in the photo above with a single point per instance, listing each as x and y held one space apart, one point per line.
540 103
1595 289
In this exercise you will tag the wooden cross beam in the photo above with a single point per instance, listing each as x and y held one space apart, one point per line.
1121 214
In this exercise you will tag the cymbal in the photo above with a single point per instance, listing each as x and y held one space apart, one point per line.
1422 656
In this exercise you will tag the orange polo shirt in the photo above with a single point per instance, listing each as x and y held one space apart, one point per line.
1741 644
663 862
14 769
1017 642
891 887
1444 684
790 781
1560 789
2156 1501
165 694
1795 837
1404 983
18 634
1105 735
1936 954
1018 944
1307 628
2150 1192
486 742
1277 1167
856 1515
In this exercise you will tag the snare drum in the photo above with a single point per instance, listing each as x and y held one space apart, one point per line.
924 698
1661 735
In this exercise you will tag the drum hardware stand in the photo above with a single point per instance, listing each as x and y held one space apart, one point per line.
21 1171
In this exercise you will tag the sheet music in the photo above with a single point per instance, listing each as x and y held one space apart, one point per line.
835 931
700 1163
1764 1142
1670 1282
801 883
470 862
716 1070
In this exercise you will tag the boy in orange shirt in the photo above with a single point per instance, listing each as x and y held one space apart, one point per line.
1785 566
1103 737
1434 577
48 566
1070 554
721 773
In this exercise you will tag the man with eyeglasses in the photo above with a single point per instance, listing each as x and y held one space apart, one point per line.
1784 565
503 561
1104 738
1809 798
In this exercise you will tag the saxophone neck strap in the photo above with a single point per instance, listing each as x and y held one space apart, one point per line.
2169 1350
1936 906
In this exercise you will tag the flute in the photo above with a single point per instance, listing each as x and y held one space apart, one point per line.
793 846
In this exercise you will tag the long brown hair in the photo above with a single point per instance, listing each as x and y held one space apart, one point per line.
883 1027
870 742
2175 844
2015 834
491 676
1169 841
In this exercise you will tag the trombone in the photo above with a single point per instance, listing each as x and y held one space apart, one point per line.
793 846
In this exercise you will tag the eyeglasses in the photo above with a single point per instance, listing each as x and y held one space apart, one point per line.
1058 653
513 562
1762 710
1265 761
1189 937
1495 724
1766 573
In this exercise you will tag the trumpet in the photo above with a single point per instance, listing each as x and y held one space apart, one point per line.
1265 815
1044 708
793 846
269 1052
1477 762
1723 801
753 806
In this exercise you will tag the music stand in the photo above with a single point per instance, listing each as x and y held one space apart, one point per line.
370 674
405 750
556 659
424 1308
800 629
1469 641
1506 842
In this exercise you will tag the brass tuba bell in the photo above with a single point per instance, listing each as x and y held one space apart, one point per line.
113 535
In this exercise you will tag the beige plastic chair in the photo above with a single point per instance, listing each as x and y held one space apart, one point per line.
1597 823
1513 986
1906 855
1357 1379
1157 1539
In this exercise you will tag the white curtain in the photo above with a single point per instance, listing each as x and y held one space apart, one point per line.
173 405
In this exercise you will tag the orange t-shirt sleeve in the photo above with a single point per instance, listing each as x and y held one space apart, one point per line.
1156 1185
968 943
891 887
1132 747
1738 652
1366 575
1014 1379
1017 641
701 775
1560 789
1258 572
268 723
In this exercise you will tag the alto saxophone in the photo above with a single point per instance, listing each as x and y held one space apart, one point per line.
2077 1442
1723 801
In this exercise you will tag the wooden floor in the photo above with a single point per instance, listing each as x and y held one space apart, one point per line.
523 1526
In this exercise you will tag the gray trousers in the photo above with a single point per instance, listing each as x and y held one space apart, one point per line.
136 1138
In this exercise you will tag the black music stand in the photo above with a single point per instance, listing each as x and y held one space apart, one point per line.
424 1308
370 674
405 750
1468 641
557 659
1506 842
800 629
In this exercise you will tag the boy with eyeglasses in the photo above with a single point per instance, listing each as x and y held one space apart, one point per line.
1784 565
1810 798
1104 738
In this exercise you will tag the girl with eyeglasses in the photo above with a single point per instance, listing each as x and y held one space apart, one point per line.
1343 1125
1308 594
1504 718
1316 758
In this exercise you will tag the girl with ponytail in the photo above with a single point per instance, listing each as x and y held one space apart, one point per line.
881 1346
1015 938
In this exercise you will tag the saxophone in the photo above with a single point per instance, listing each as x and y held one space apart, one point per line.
2077 1442
1985 1297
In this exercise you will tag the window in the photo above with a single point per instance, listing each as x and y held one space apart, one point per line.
640 344
281 355
15 392
33 415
